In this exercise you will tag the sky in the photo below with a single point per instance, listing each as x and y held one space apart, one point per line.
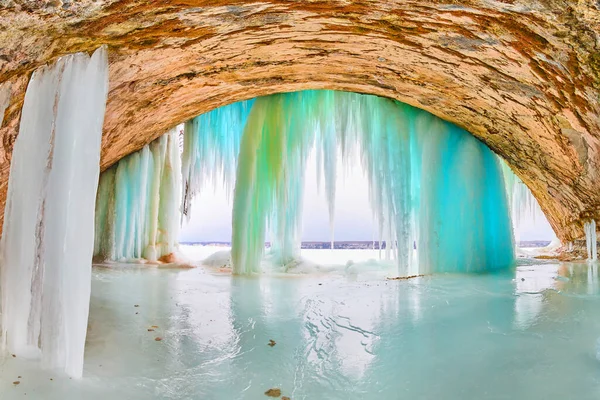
211 212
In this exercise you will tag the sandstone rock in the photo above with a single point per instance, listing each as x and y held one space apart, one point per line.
273 392
168 258
521 75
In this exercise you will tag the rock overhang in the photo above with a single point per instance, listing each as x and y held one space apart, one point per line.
522 76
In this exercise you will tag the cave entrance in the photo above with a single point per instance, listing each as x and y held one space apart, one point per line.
433 189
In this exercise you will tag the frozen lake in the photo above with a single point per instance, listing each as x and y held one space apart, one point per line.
533 333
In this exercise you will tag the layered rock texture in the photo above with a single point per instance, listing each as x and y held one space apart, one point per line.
521 75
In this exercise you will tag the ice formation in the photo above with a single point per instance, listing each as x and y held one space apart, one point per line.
4 99
210 149
590 240
437 193
523 205
137 207
269 184
47 241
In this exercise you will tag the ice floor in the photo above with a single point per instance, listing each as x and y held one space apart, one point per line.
529 334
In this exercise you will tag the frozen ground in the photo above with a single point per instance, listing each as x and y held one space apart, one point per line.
312 261
533 333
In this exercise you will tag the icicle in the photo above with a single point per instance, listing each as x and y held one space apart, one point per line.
594 241
137 207
170 189
327 137
4 99
210 150
590 240
384 139
524 206
47 239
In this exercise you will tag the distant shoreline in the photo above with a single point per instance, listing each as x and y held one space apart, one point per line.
350 244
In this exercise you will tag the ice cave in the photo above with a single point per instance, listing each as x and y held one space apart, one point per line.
299 200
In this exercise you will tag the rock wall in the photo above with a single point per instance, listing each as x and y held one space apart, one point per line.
521 75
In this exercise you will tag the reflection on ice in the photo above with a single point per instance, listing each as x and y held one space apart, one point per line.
532 279
593 279
530 283
519 334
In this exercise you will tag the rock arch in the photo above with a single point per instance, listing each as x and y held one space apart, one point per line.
521 75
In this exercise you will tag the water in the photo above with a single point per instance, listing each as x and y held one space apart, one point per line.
526 334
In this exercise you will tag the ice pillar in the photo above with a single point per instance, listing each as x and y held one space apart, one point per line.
590 240
463 218
326 145
270 181
48 233
137 207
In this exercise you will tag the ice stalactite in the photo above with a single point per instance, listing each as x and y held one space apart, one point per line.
523 205
327 149
384 139
48 232
590 240
437 193
4 99
137 207
269 183
210 150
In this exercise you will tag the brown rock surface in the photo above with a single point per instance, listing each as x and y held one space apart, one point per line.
521 75
275 392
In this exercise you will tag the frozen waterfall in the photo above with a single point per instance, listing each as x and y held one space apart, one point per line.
590 240
48 233
523 205
211 146
437 193
137 208
270 181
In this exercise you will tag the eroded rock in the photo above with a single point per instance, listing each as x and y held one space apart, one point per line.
521 75
274 392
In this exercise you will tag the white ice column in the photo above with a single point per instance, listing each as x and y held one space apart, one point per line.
48 234
590 240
